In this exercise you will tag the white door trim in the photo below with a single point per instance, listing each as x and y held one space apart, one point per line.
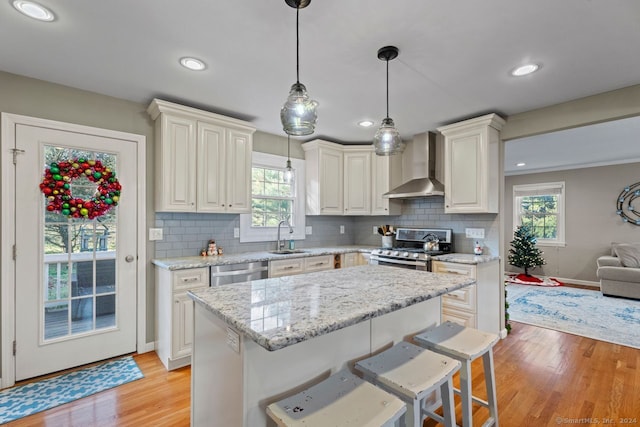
8 125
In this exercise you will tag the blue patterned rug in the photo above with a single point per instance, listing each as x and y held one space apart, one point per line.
18 402
577 311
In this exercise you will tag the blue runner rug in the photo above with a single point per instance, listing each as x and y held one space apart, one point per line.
577 311
18 402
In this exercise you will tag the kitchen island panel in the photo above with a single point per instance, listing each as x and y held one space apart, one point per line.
234 388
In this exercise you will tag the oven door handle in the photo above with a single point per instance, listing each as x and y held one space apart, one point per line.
399 261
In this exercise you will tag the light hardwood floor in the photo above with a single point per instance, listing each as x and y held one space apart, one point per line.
544 378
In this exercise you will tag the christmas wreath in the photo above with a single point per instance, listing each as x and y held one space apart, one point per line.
56 186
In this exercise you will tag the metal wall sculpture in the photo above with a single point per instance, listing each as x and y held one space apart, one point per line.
624 204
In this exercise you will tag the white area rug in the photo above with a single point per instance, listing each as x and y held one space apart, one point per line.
576 311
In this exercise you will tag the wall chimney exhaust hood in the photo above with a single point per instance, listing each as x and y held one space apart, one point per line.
421 153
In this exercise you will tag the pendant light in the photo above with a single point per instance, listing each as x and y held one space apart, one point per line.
288 171
298 114
387 139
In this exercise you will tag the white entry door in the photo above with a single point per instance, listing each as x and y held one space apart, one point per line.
75 276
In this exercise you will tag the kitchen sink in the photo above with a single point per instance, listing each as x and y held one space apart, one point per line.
287 251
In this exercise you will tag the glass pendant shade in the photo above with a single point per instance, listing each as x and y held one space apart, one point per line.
298 114
387 141
288 173
288 170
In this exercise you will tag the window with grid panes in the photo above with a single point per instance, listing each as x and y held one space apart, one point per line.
273 199
541 207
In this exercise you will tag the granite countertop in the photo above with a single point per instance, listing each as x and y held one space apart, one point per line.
206 261
466 258
283 311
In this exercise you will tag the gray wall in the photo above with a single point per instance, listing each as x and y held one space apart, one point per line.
591 220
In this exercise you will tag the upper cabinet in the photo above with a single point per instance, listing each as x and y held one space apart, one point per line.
357 180
203 160
472 165
386 174
349 180
324 162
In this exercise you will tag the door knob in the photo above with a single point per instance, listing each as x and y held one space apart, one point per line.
129 258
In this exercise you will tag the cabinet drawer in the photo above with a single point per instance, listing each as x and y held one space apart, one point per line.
286 267
462 299
190 278
454 268
457 316
318 263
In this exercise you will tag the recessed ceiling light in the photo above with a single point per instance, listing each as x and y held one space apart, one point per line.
365 123
192 63
34 10
524 70
521 164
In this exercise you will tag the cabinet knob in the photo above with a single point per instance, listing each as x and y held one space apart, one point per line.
230 205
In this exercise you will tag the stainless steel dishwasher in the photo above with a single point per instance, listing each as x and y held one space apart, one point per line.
237 273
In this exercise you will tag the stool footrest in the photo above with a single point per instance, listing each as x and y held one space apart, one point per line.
475 399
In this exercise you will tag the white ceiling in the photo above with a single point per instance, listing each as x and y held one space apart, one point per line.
455 56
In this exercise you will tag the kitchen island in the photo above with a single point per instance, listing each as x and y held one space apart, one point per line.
257 342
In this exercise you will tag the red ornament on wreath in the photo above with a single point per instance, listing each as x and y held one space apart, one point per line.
56 186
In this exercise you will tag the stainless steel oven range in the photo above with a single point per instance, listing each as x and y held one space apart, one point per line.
414 248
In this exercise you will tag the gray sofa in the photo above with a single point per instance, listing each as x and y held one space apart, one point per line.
619 273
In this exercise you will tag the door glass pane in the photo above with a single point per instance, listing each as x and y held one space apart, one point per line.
56 319
80 289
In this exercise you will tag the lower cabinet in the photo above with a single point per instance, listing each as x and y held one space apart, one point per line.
174 313
291 266
476 306
353 259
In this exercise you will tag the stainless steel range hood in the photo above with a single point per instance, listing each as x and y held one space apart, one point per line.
420 157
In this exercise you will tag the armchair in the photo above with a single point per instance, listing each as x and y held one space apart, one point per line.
619 273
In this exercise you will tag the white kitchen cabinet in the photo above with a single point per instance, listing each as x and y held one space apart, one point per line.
203 160
472 165
353 259
292 266
349 180
324 163
386 174
174 313
357 180
286 267
476 306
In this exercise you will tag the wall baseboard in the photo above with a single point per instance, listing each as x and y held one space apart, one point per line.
595 285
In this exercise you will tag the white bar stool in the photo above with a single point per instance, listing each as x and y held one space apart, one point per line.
341 400
466 345
414 374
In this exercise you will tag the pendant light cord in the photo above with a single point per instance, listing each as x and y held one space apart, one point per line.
288 147
297 46
387 88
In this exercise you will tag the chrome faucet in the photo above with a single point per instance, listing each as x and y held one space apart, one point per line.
279 243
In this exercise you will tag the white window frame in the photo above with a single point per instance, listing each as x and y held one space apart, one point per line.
520 191
266 234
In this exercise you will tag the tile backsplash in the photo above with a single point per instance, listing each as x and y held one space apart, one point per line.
185 234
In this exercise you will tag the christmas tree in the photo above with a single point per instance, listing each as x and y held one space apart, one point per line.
523 252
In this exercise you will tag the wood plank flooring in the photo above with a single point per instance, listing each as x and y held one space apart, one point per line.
544 378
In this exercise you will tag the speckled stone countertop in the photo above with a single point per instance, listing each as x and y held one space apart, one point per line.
205 261
283 311
466 258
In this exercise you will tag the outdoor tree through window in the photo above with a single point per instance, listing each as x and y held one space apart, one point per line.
272 198
541 208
